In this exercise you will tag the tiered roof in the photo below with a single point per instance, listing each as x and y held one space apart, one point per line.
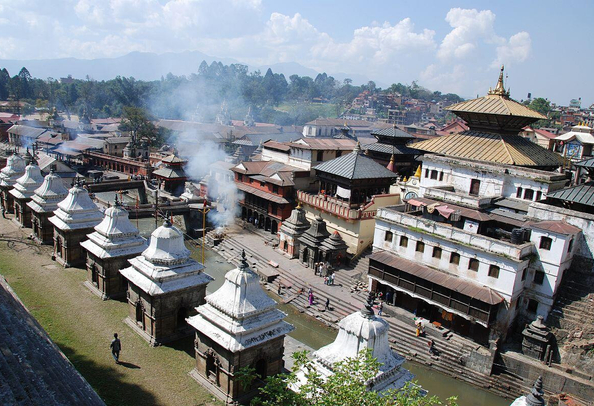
334 243
115 236
48 195
76 211
240 314
25 186
165 266
296 224
14 169
316 233
355 166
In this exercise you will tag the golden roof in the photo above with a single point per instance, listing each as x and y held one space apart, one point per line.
489 147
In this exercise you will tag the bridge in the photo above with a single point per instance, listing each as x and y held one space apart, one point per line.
117 185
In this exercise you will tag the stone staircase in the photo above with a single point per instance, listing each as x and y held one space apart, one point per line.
33 371
453 350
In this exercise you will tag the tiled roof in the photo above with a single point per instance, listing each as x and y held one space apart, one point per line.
173 159
582 194
342 144
355 166
392 132
261 193
556 226
392 149
495 104
277 145
26 131
490 147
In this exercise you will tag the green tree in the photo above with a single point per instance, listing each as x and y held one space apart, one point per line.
543 106
347 386
140 125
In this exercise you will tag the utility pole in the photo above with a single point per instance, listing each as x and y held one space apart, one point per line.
204 211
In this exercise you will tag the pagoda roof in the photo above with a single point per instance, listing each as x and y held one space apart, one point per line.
355 166
170 173
47 196
76 211
392 149
495 111
26 185
173 159
392 132
491 147
240 314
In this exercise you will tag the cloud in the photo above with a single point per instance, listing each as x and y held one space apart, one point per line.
517 49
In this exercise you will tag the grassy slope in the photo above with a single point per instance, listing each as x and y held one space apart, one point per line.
82 326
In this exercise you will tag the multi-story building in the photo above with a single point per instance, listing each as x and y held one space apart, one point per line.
465 254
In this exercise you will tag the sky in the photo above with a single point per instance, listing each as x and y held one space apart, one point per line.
447 46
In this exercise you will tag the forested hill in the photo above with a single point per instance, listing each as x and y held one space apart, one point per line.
272 97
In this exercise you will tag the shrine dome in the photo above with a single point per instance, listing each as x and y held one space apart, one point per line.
166 246
49 194
15 167
25 186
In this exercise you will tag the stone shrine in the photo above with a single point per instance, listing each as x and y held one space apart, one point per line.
359 331
535 398
537 340
333 249
239 326
43 203
73 220
14 169
23 191
311 240
109 248
164 287
290 231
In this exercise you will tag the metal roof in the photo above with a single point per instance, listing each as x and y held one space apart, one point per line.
495 104
582 194
342 144
355 166
26 131
392 149
587 163
170 173
491 147
393 132
468 288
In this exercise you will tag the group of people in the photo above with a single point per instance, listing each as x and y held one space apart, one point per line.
323 269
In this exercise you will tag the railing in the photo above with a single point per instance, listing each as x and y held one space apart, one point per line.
513 251
457 198
330 205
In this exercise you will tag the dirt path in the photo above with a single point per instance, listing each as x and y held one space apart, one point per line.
82 325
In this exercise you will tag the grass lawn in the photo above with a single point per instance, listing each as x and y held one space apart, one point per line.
321 109
82 325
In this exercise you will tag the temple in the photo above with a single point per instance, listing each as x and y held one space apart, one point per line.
172 177
360 331
43 203
239 326
164 287
290 231
392 151
14 169
73 220
23 191
109 248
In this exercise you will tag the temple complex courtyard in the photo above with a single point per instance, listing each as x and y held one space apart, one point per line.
82 325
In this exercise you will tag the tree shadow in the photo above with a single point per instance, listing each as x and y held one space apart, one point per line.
108 382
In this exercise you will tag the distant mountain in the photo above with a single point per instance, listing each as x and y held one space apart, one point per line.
148 66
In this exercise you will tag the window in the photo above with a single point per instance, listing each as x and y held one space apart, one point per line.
388 236
570 247
539 277
538 195
274 189
440 176
338 153
494 271
240 177
524 274
404 241
262 183
532 306
426 173
437 252
454 258
420 246
519 193
433 174
545 243
320 156
473 264
475 187
528 194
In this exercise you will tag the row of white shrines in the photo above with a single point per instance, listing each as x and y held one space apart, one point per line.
237 326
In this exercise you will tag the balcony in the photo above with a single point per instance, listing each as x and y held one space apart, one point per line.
516 252
342 209
454 197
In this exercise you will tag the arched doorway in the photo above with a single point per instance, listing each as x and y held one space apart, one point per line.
211 367
285 246
139 314
267 224
94 276
305 255
182 315
250 215
261 221
243 213
274 227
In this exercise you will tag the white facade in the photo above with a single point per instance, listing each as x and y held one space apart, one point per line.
76 211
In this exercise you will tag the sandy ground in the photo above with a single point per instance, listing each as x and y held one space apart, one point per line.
82 325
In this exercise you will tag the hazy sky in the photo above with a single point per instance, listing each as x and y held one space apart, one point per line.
447 46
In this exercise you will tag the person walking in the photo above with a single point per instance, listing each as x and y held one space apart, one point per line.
311 298
279 289
332 279
380 309
116 347
327 303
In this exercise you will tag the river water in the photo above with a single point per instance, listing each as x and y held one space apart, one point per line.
315 334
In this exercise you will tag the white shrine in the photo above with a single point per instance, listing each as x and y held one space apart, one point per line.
43 203
14 169
23 191
359 331
114 241
73 220
164 287
239 326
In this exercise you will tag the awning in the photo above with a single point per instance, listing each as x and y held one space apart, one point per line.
445 211
468 288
